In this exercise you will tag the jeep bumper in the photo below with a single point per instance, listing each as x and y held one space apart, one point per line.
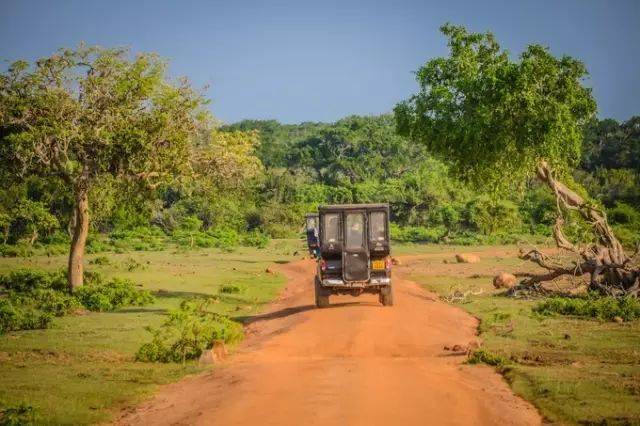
338 282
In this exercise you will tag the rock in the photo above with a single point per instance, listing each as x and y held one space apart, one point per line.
395 261
269 271
214 355
619 320
504 280
208 357
467 258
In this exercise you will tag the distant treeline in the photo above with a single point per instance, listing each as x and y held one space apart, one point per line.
278 172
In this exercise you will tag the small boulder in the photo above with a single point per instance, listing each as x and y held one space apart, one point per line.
467 258
214 355
269 271
208 357
504 280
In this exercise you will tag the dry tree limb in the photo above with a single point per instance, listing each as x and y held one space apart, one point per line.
611 270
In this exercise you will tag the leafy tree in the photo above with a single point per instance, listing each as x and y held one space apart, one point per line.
90 112
500 122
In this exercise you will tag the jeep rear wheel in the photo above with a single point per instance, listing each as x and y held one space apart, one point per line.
322 295
386 296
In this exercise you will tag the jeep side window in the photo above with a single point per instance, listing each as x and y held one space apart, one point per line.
377 225
355 231
311 223
331 230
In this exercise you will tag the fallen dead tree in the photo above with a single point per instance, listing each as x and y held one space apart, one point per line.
611 270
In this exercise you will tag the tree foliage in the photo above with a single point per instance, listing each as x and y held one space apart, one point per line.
85 113
494 118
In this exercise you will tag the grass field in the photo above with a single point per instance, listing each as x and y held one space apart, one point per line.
574 370
82 370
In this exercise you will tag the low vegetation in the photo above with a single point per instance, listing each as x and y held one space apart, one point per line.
33 297
569 356
187 332
83 368
603 308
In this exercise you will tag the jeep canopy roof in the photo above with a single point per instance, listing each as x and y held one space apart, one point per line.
333 207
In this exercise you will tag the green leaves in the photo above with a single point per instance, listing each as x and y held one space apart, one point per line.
86 112
494 118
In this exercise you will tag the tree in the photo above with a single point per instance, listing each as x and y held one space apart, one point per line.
87 113
500 122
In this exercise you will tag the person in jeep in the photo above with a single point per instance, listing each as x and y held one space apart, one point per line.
354 255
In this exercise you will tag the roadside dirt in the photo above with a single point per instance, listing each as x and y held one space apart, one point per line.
356 363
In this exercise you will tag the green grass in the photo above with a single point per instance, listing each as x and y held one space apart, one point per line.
575 370
82 370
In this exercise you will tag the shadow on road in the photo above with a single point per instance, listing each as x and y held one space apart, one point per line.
282 313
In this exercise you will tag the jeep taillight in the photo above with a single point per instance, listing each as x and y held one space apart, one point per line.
323 265
387 263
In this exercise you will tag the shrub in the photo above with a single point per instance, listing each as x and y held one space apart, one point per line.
14 317
112 295
24 280
17 250
54 302
481 356
417 234
187 332
33 297
100 260
22 414
255 239
592 306
230 288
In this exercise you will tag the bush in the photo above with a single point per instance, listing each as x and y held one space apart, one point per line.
100 260
15 317
255 239
22 414
481 356
187 332
115 294
25 280
230 288
592 306
34 297
416 234
54 302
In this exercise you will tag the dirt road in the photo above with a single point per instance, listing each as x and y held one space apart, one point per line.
356 363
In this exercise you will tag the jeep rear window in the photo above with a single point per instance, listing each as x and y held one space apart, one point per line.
377 225
331 231
355 230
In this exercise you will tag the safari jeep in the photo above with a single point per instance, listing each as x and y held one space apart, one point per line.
311 226
354 252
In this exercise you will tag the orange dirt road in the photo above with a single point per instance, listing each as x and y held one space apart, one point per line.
355 363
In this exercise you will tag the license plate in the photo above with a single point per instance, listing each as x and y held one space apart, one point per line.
377 264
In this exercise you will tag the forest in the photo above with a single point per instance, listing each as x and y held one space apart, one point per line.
275 173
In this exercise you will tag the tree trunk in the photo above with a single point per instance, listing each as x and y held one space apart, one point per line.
78 241
611 270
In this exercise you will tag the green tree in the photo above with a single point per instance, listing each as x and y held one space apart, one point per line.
501 121
84 113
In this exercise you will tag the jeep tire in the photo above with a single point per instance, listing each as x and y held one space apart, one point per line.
386 296
322 294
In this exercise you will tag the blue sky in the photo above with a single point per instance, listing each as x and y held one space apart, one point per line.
319 61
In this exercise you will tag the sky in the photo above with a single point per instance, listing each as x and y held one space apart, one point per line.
298 61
